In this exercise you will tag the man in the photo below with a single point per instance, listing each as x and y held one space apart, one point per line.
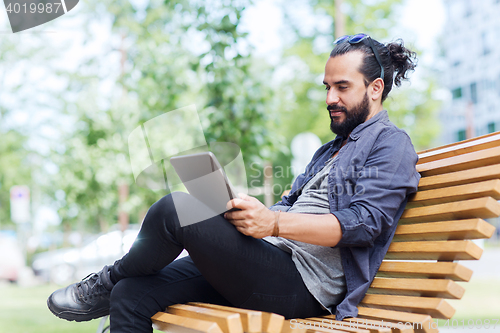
313 253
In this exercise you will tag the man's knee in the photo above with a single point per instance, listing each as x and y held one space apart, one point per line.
180 209
165 207
170 203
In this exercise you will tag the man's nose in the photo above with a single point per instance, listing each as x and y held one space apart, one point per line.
332 97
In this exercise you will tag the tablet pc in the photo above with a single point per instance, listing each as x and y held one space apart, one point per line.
205 179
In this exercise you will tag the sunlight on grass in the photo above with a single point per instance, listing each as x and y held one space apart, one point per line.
24 310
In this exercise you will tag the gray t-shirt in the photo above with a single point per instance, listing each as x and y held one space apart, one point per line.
319 266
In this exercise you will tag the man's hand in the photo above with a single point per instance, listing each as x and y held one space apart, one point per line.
254 219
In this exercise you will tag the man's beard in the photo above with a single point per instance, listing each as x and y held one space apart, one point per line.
357 115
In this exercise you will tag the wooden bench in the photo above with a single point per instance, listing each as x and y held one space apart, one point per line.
459 188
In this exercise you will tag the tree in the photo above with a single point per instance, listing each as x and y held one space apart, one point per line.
176 54
14 169
21 94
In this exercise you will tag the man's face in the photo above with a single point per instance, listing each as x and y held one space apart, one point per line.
347 97
353 117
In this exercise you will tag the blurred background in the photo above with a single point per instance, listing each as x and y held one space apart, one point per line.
74 89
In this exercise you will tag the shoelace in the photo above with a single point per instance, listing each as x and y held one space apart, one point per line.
90 287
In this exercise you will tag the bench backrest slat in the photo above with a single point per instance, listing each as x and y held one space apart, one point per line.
417 287
457 148
431 270
445 230
460 177
488 188
461 162
459 188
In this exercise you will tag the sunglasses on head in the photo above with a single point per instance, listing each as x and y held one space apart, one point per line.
362 38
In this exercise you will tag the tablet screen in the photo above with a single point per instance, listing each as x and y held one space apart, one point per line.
205 179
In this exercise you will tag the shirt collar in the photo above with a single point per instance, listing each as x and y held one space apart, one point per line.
381 116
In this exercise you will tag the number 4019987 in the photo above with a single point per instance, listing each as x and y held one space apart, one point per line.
471 323
34 8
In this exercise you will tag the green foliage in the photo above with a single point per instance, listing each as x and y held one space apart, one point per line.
415 110
19 92
177 54
92 160
372 17
14 170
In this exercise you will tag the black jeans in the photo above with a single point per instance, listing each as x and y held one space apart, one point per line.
224 267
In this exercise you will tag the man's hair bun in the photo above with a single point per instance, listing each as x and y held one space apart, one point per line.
403 60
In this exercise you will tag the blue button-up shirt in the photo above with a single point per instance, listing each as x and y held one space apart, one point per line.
367 191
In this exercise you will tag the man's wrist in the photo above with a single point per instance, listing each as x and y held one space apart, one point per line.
276 229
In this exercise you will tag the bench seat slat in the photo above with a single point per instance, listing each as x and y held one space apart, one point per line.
459 148
253 321
419 322
460 177
229 322
434 250
167 322
433 270
445 230
435 307
417 287
461 162
489 188
484 208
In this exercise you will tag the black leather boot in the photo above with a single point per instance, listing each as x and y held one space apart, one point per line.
85 300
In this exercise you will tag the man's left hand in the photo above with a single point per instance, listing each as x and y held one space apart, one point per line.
254 219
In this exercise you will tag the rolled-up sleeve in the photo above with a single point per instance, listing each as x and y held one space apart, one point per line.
381 186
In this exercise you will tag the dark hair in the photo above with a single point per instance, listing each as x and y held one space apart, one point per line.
395 57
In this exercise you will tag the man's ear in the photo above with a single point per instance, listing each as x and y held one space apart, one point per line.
376 89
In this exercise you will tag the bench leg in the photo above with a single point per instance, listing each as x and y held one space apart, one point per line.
102 328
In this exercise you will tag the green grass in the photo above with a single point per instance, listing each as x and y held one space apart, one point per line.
24 310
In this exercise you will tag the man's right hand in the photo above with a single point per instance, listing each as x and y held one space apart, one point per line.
253 219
